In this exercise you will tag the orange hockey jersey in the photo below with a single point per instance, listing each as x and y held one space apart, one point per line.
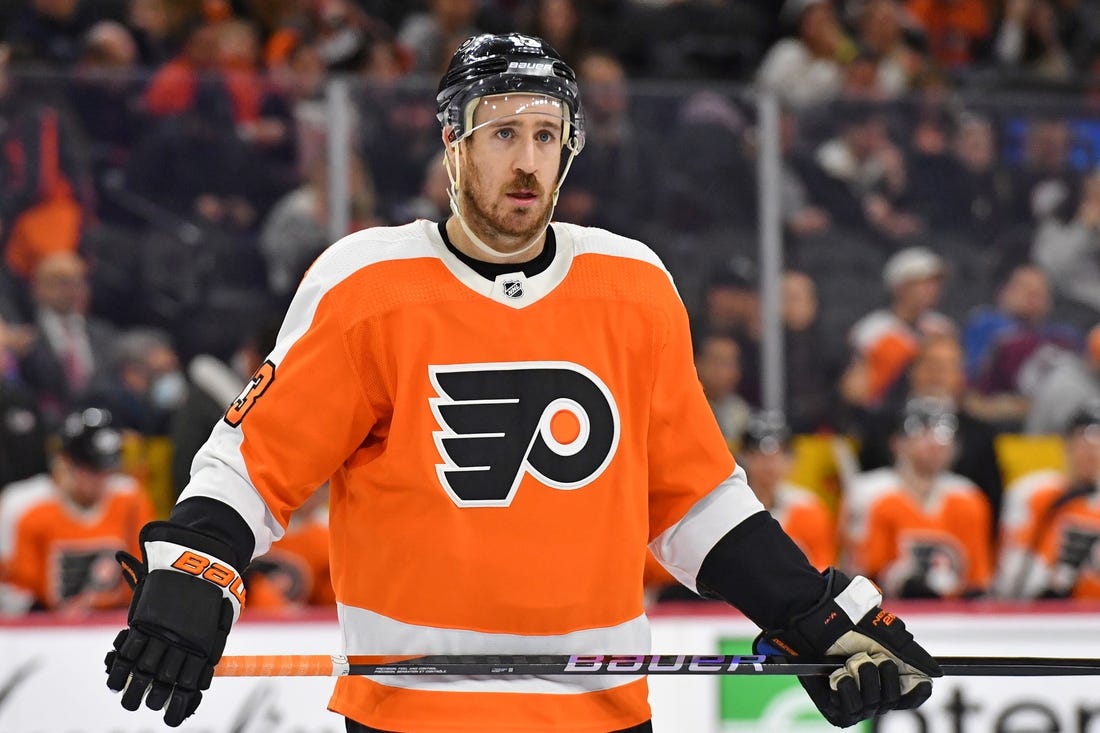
892 534
500 453
1038 522
60 556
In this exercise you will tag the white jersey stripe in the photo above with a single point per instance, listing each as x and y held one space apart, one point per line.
367 632
682 547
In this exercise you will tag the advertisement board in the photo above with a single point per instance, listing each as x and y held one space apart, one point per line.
52 680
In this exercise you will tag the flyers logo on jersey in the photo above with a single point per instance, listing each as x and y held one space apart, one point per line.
556 421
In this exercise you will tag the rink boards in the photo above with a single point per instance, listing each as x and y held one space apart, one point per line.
51 677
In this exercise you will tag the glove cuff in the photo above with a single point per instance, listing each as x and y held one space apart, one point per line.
166 546
844 604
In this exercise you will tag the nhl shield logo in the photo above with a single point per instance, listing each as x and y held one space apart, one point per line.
512 288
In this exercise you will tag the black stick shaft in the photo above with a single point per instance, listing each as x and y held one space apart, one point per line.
622 664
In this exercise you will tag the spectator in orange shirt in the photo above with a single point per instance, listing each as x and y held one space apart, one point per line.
1051 521
885 341
59 532
915 528
767 459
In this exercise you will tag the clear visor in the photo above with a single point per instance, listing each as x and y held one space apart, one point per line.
485 111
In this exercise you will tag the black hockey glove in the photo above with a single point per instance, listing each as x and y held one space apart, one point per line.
885 670
186 598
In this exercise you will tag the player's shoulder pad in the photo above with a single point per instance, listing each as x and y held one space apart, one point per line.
371 246
1018 495
593 240
865 487
121 483
16 500
795 494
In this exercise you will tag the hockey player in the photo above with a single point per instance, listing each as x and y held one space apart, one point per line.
917 529
508 412
1051 527
59 532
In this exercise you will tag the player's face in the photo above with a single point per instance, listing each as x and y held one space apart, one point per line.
928 451
1083 453
509 168
766 469
82 485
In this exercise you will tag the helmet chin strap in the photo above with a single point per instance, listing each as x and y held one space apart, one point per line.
452 195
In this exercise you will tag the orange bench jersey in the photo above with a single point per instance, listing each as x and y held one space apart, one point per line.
63 556
1034 530
500 454
295 572
889 529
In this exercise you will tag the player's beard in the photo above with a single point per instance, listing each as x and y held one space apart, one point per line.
495 220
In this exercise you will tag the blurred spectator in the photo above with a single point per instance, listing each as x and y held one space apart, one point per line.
956 31
1020 350
718 364
22 434
72 348
104 93
716 189
937 373
882 32
1062 384
806 67
344 34
156 25
432 202
1029 41
194 166
559 23
802 215
860 175
1023 304
1051 519
885 341
297 228
1043 182
144 385
300 87
214 381
916 529
810 374
1069 251
44 187
603 188
174 86
59 532
399 142
294 573
49 32
966 191
432 35
766 456
731 306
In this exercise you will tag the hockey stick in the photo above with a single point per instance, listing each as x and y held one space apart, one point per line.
319 665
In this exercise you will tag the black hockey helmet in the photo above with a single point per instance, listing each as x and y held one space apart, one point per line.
491 64
88 439
766 432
